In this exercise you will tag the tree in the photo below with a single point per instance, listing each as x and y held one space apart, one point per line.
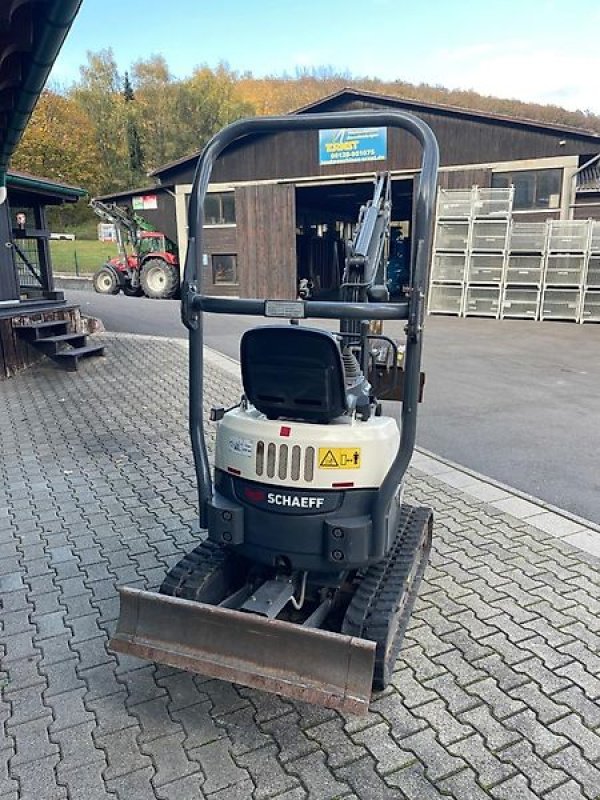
98 92
60 143
134 144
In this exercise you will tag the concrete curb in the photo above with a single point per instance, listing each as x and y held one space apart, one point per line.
80 282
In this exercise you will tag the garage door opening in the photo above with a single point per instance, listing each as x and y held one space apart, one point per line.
326 219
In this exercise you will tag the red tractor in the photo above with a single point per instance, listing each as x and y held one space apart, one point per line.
153 267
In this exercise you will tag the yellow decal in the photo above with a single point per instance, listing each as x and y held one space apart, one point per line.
339 457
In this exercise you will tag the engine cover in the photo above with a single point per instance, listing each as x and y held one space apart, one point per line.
346 453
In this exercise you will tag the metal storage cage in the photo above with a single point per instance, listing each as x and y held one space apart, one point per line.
493 202
452 236
520 303
565 269
592 279
485 268
528 237
448 267
595 238
489 235
568 236
482 301
590 311
523 269
561 304
445 299
454 203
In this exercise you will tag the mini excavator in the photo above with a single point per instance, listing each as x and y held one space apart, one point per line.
309 560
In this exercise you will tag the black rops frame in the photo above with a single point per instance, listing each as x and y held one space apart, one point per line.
194 303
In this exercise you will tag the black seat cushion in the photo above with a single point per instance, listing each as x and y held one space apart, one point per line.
293 372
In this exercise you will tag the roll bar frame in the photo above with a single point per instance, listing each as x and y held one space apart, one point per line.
194 303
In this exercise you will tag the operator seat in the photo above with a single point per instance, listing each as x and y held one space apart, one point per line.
293 373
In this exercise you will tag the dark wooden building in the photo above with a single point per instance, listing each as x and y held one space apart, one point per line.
32 34
277 210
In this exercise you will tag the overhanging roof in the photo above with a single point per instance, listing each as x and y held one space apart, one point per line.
33 32
50 189
416 106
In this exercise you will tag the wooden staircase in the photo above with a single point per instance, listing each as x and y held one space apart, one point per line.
55 340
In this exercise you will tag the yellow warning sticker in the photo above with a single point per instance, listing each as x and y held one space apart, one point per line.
339 457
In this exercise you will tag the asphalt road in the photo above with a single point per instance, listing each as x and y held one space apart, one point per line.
515 400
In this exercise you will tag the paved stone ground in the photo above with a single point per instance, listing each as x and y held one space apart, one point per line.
496 694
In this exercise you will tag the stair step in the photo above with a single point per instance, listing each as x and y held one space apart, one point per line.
51 344
69 358
36 330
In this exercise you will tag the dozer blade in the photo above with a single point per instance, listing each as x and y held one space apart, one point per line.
319 667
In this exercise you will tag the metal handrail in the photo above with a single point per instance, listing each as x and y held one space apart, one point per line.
194 303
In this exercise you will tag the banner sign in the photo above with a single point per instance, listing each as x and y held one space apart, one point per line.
352 144
144 202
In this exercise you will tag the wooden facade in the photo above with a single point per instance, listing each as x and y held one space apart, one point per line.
266 223
277 169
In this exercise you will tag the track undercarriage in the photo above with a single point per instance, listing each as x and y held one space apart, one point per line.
350 635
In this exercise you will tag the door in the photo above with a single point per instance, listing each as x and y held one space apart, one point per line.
266 240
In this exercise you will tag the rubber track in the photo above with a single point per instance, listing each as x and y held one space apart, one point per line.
380 608
187 578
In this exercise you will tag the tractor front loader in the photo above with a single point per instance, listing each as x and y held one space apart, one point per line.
309 569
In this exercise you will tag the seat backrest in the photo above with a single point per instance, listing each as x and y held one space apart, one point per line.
293 372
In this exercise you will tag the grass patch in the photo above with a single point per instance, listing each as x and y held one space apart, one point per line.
81 257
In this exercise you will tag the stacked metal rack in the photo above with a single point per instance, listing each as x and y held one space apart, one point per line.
568 245
590 306
524 276
487 264
469 247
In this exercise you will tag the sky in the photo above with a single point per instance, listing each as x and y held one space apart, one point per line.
543 51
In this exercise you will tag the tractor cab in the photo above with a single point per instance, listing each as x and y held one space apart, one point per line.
154 242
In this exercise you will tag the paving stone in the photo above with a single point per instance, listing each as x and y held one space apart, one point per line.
242 731
31 743
291 740
456 698
267 773
37 779
217 765
588 741
413 784
367 784
540 736
198 725
77 749
574 699
568 791
336 744
169 758
495 734
122 753
101 682
188 788
501 704
26 705
437 760
402 722
133 785
315 776
69 709
513 788
85 781
577 674
412 691
447 728
540 774
384 749
504 675
181 689
571 761
238 791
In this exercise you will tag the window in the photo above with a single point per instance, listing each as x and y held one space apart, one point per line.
533 188
219 208
224 269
